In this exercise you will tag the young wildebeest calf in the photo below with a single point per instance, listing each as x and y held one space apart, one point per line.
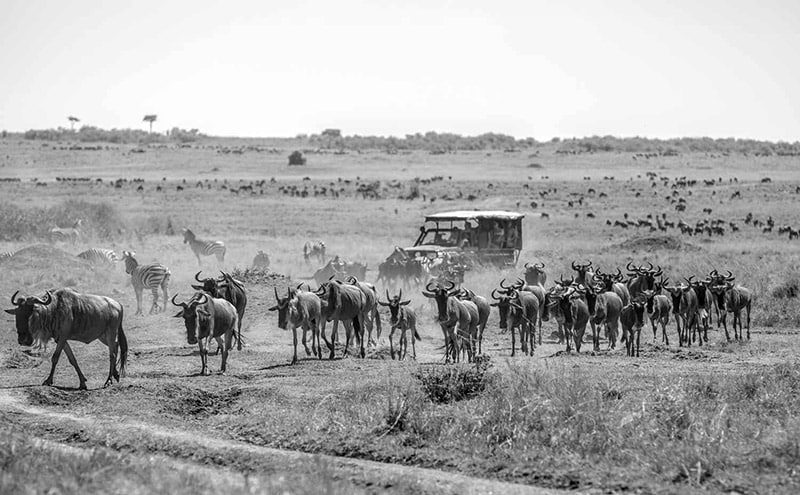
403 318
301 309
206 318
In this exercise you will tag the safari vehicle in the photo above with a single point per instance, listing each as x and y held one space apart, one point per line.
478 237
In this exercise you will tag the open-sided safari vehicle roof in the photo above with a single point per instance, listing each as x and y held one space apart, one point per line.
485 236
474 214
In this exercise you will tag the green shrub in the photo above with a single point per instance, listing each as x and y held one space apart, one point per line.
445 384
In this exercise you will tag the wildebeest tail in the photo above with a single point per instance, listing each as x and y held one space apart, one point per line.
122 353
416 335
358 329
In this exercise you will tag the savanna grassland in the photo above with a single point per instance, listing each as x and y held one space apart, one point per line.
718 418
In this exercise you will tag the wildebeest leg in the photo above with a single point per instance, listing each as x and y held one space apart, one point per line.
664 336
723 318
294 341
112 356
203 355
54 360
225 351
358 323
305 345
391 344
638 340
513 340
332 344
541 312
81 378
748 320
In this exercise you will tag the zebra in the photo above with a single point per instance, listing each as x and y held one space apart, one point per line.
6 255
66 234
99 256
206 248
150 276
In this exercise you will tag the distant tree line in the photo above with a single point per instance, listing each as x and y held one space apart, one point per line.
429 141
678 145
96 134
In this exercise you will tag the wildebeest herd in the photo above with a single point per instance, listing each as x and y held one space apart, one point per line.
614 304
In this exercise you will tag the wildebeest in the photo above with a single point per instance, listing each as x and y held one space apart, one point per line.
231 290
632 319
348 304
658 307
403 318
483 313
66 315
340 269
585 273
150 276
684 307
535 274
605 308
314 249
205 318
523 311
451 312
373 316
303 310
206 248
538 291
733 299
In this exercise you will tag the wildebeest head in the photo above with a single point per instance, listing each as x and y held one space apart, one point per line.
188 235
502 299
699 290
649 298
189 314
209 285
582 270
676 294
282 307
534 274
440 294
394 304
23 311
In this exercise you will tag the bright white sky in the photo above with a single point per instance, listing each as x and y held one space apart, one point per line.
528 68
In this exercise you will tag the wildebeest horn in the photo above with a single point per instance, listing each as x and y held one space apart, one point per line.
197 276
451 285
387 295
650 268
276 294
631 269
181 305
428 287
503 286
527 265
729 276
16 303
494 296
658 271
539 265
331 277
400 297
575 266
42 301
713 272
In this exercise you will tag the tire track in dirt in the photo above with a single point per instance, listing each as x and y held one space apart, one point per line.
366 475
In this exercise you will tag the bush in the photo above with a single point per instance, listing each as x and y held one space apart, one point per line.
448 384
297 158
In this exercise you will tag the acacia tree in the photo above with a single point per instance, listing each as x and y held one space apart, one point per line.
72 121
150 119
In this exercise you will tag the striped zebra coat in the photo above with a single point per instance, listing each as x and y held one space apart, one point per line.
99 256
205 248
150 276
